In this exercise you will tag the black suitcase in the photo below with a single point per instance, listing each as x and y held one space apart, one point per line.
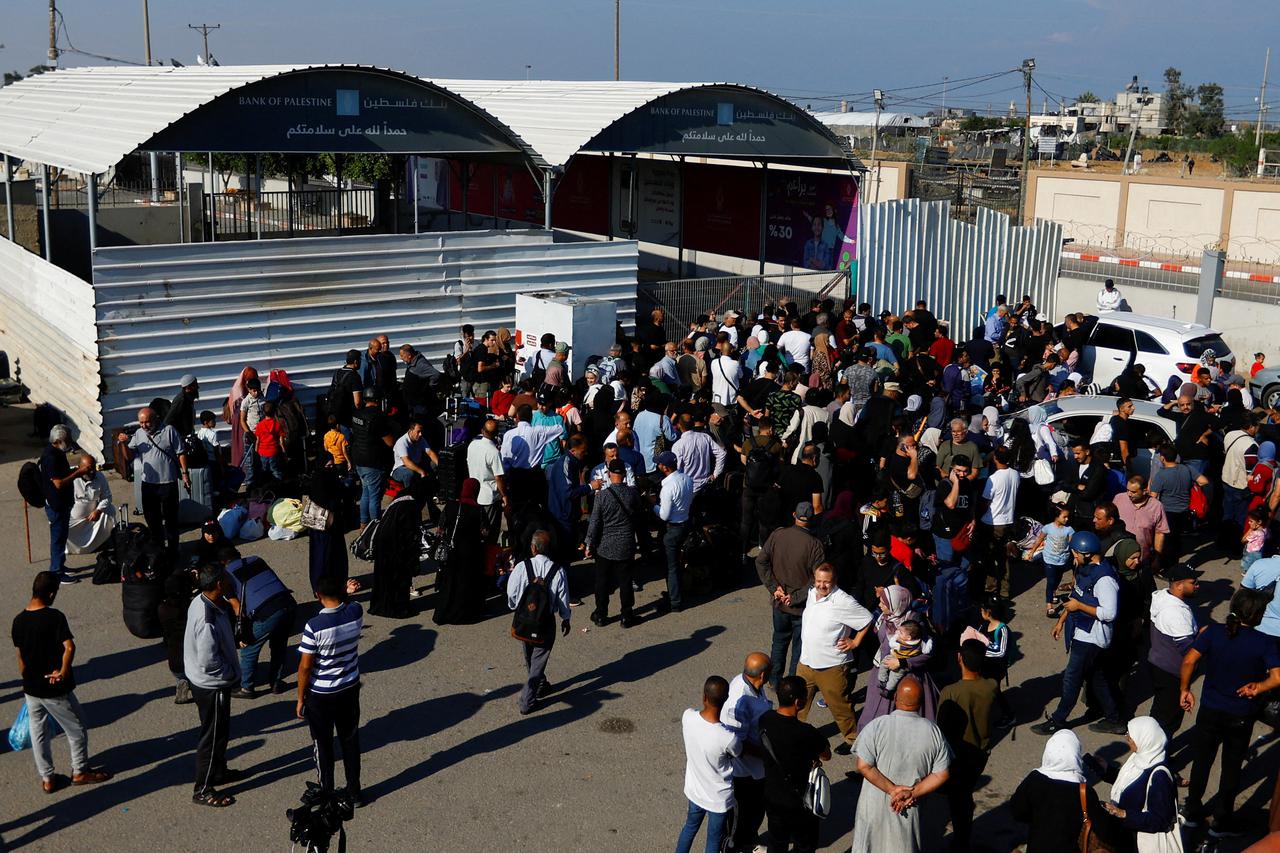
140 601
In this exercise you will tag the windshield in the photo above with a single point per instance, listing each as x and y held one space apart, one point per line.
1197 346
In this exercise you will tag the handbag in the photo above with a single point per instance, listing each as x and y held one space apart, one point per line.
960 542
314 516
1042 471
817 794
1088 841
444 547
1168 841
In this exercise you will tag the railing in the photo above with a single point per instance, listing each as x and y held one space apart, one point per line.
246 214
685 299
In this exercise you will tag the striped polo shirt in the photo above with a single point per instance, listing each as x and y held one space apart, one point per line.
333 637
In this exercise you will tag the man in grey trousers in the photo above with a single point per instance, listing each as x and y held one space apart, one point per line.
544 570
46 648
212 667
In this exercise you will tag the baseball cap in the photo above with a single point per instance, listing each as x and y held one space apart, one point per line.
561 346
187 380
1182 572
804 511
617 466
734 314
667 458
892 386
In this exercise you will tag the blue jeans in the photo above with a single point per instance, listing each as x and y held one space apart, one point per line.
1249 558
274 629
403 475
717 824
1235 503
373 482
59 525
1052 577
272 465
1081 665
249 462
786 632
672 541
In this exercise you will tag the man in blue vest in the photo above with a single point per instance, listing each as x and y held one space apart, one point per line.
266 610
1086 620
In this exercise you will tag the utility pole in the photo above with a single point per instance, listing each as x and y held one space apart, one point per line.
53 33
617 39
1028 66
203 29
146 32
1262 101
1136 117
154 159
875 138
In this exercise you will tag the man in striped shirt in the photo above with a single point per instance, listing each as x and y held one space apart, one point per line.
329 682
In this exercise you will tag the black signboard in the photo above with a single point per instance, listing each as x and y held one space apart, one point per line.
720 121
331 110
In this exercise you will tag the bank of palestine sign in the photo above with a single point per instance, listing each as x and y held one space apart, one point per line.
334 110
719 120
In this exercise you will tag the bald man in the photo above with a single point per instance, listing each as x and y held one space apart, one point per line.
164 460
902 758
746 704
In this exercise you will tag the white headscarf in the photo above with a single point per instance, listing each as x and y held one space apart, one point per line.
930 438
1061 759
1150 741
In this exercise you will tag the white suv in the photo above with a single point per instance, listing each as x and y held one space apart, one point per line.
1164 347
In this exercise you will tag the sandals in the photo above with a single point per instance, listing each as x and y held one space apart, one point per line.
90 777
212 799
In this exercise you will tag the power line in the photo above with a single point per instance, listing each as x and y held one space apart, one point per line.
71 48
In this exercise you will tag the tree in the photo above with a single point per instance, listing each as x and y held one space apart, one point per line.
1087 97
1175 96
1209 120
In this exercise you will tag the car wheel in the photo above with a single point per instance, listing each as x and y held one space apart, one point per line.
1271 396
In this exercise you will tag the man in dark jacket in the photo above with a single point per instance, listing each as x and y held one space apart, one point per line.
1084 482
57 481
785 565
611 539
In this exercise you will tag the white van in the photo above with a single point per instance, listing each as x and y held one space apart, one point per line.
1164 347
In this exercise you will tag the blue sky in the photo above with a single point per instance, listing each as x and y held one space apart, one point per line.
809 50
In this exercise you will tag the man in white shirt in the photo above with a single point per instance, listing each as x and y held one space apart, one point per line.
1173 630
730 327
709 749
995 526
484 463
674 501
536 685
541 359
725 375
796 343
409 452
831 627
741 715
1109 297
1087 618
601 472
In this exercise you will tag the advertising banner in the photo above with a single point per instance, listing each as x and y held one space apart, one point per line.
580 200
811 220
512 189
722 210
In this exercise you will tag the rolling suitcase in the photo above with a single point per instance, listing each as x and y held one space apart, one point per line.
195 506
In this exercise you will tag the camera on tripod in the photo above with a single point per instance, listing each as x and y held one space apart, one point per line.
319 818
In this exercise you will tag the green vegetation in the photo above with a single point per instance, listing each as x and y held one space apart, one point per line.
364 168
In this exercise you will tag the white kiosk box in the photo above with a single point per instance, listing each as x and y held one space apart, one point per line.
587 325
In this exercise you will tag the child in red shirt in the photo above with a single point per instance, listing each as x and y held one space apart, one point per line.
269 434
1259 362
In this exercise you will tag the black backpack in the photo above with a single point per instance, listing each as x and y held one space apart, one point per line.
539 372
534 621
30 484
451 370
763 467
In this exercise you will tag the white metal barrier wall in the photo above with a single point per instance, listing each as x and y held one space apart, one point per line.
211 309
46 327
909 250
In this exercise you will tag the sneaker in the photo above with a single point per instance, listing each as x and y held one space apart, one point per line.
637 586
544 689
182 695
1048 727
820 702
241 693
67 580
1109 727
843 749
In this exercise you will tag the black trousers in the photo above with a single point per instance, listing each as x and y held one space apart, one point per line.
794 826
160 509
1215 728
335 713
966 767
748 796
610 573
214 706
1166 690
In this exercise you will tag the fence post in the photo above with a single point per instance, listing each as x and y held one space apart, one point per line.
1212 266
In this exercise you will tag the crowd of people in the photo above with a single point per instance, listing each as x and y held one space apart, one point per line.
892 486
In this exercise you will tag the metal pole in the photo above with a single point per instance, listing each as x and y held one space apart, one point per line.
546 199
213 204
53 34
93 215
146 32
337 167
617 39
8 198
493 191
44 194
1028 66
680 231
875 140
1212 265
1262 101
182 197
466 194
764 213
415 194
613 178
257 194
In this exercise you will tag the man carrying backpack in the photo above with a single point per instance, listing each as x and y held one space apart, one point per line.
537 591
762 462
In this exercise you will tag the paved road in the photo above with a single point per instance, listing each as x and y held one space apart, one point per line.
449 763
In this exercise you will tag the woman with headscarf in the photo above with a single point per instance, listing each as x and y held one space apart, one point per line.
1144 796
599 421
1171 389
231 411
1042 435
821 357
460 582
895 609
1232 414
397 549
327 549
991 425
752 352
1048 799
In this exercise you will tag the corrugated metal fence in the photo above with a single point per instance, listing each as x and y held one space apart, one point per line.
911 250
299 304
46 327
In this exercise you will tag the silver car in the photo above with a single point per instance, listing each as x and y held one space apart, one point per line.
1265 387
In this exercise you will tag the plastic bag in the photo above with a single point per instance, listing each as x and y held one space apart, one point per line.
281 534
20 731
231 520
287 513
251 530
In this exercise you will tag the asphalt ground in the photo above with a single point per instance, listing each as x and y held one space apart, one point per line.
449 765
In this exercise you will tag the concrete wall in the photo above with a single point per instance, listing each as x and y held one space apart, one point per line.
26 215
1246 326
1161 216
